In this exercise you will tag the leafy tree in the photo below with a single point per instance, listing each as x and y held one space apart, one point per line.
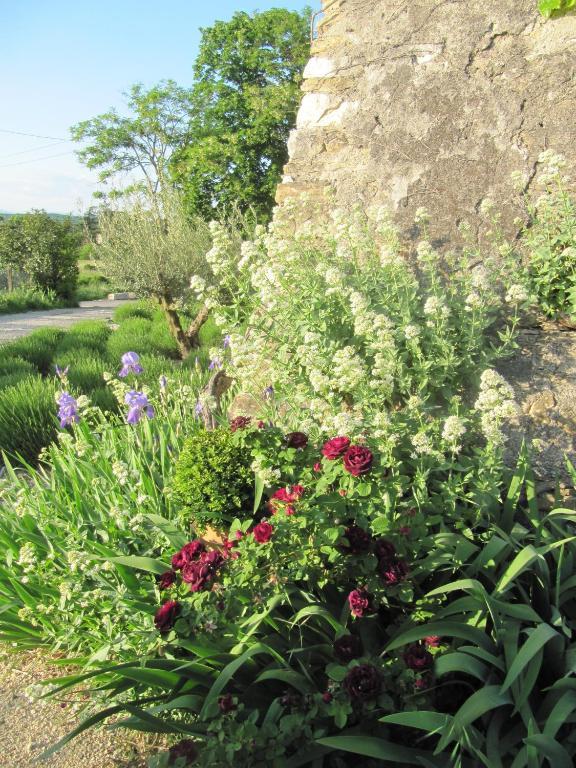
44 248
245 99
142 141
152 245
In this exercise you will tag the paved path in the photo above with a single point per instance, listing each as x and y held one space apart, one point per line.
23 323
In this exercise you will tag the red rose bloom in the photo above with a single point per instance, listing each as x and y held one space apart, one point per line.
360 602
189 552
226 703
317 467
240 422
166 615
199 574
416 657
336 447
327 697
384 549
358 460
347 647
363 683
296 440
392 571
432 641
166 579
263 532
186 749
358 540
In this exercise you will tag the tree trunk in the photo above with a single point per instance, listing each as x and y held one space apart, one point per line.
189 339
9 279
175 327
194 329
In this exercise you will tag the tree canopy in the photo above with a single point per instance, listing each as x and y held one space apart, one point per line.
223 141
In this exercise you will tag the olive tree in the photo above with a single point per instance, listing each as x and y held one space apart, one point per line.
149 243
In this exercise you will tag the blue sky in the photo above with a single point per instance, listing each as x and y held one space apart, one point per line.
62 61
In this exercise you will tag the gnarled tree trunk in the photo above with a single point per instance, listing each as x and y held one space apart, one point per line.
189 339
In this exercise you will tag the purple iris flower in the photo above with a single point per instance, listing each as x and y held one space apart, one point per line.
62 372
214 364
138 405
163 383
68 410
226 342
198 409
269 393
130 364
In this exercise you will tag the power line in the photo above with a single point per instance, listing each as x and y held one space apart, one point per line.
33 135
37 159
36 149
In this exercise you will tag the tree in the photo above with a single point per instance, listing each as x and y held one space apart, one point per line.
151 244
158 124
44 248
244 102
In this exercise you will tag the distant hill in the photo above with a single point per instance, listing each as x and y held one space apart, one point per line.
56 216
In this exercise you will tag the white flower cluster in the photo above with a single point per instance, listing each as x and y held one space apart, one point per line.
452 431
434 307
496 404
516 294
27 557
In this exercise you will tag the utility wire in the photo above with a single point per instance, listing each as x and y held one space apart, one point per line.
37 159
33 135
35 149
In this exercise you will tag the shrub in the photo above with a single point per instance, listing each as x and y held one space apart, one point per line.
132 335
38 348
131 309
86 372
87 334
213 480
15 365
24 299
27 418
548 243
161 341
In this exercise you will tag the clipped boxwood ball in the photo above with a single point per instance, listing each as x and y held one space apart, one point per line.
213 480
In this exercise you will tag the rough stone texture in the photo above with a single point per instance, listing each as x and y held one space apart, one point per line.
432 103
543 374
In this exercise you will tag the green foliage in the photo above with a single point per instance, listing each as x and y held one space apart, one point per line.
244 103
213 479
45 248
548 243
553 8
88 335
16 365
38 348
131 309
27 418
25 299
143 141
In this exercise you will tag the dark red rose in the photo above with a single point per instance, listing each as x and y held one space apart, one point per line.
189 552
186 749
358 540
336 447
263 532
421 684
261 424
317 467
226 703
240 422
166 579
166 615
416 657
199 574
384 549
358 460
360 602
327 697
296 440
432 641
363 683
347 647
392 571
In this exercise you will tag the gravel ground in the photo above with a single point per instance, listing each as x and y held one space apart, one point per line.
23 323
29 726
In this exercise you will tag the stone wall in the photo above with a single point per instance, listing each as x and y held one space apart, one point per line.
432 103
435 103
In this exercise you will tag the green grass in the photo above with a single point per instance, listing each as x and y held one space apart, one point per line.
27 299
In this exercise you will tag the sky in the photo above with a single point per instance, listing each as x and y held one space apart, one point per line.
63 61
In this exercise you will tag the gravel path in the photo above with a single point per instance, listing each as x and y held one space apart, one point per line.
14 326
29 726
